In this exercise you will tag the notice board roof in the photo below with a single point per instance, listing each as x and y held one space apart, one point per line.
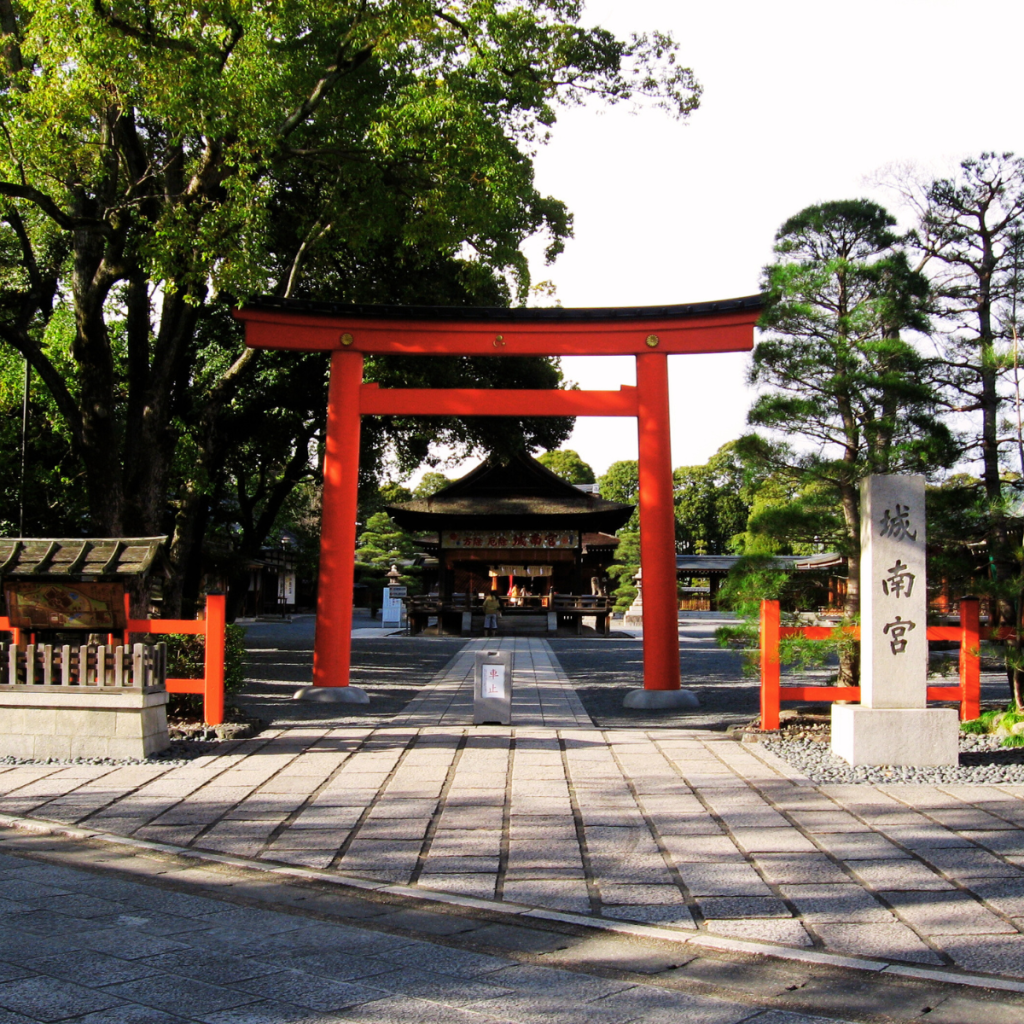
99 558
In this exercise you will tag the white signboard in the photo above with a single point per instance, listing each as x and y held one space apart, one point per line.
286 588
393 610
493 682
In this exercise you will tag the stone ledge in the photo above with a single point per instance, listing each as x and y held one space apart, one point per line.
83 724
93 697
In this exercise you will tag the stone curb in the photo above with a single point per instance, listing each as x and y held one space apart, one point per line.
522 911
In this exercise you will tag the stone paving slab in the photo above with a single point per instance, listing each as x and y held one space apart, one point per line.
260 946
541 692
684 829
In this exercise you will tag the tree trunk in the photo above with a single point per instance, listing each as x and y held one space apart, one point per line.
849 654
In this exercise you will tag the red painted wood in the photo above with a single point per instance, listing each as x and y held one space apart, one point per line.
967 693
945 693
213 691
820 693
191 627
970 660
332 647
770 669
657 525
374 400
211 686
818 632
730 331
189 686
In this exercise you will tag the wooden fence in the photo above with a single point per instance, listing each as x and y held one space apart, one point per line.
211 686
93 666
967 692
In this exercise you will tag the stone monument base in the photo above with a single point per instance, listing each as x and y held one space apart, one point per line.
82 721
895 736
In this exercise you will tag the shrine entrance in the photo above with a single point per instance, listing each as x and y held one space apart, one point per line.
650 334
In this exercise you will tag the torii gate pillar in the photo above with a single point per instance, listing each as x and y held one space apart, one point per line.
649 334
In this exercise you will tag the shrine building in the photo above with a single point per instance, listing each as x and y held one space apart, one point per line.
515 529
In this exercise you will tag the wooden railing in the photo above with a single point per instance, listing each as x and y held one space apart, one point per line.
967 692
211 685
87 666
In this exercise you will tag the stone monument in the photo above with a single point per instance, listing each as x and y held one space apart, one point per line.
634 617
893 725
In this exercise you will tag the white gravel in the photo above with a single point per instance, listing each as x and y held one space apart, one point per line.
982 760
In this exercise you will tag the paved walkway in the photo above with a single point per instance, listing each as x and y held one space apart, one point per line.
541 693
690 831
97 933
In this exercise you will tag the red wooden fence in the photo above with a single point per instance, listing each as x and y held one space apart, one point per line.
967 692
211 686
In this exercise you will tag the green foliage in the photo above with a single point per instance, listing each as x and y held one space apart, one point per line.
757 578
841 391
713 502
971 232
430 483
568 465
186 656
163 162
382 545
627 562
621 483
753 579
999 722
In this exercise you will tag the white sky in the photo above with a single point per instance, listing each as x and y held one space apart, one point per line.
803 100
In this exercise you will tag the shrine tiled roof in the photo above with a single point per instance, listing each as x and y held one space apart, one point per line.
520 492
697 565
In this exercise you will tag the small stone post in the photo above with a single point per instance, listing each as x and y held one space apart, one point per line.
892 725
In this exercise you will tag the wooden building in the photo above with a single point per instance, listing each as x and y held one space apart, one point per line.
517 530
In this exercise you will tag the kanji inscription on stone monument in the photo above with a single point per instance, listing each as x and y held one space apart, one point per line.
892 724
894 599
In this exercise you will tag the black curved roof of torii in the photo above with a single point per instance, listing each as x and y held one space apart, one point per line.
505 314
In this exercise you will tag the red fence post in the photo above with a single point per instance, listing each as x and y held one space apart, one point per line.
970 659
770 671
213 694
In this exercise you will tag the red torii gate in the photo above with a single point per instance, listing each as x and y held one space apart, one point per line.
650 334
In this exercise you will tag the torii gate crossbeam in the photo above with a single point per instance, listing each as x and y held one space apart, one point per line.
649 334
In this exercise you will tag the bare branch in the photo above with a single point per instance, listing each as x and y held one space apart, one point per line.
50 208
148 35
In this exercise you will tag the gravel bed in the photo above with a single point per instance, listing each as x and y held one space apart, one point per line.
982 760
175 756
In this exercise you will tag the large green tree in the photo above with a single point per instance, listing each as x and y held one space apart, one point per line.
843 394
970 238
162 161
568 465
712 502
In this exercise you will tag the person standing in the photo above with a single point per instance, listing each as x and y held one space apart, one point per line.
491 607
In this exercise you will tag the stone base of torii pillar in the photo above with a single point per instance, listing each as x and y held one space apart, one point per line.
652 700
893 725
